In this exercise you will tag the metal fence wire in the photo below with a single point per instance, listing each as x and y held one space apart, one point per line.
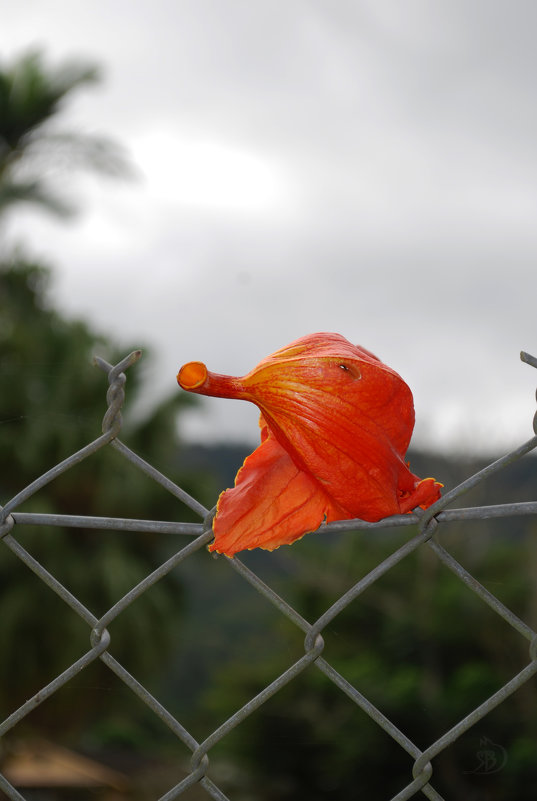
427 524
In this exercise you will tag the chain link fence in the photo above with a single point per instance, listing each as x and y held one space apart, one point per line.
427 525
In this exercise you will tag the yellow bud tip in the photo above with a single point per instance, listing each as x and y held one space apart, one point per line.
192 375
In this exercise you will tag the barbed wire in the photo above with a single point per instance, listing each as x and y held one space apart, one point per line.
427 524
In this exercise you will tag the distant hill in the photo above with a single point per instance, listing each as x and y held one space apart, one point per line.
515 483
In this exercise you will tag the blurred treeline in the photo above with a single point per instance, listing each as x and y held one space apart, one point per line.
419 644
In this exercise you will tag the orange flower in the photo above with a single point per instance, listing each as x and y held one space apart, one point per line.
335 426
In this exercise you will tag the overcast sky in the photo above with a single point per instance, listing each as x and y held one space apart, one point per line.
361 166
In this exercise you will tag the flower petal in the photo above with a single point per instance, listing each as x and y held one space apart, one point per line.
336 424
424 494
272 503
343 416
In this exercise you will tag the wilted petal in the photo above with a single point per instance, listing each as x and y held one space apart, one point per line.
338 423
272 503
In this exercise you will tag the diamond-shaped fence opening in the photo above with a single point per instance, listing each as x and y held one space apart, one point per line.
426 527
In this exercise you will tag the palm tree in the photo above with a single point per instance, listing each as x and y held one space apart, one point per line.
31 146
50 405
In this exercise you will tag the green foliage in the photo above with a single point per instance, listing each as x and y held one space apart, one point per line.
419 645
52 404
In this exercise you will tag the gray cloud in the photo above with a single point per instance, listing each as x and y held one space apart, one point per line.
402 137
